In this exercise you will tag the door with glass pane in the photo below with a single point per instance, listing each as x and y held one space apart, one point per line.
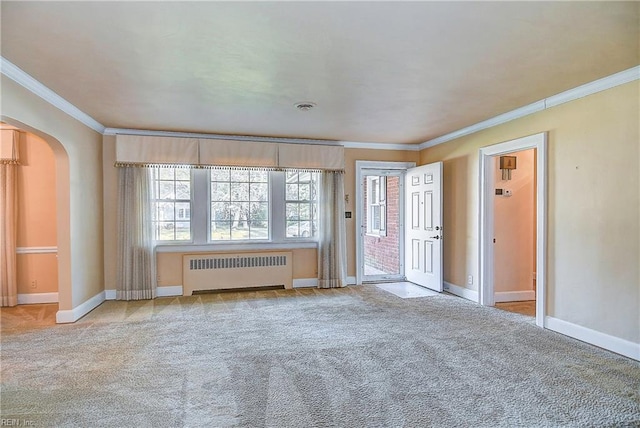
381 225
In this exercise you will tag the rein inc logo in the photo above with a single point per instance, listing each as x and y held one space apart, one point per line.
5 422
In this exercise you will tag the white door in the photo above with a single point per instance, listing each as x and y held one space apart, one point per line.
423 225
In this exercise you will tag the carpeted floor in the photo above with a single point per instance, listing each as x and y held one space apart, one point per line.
355 357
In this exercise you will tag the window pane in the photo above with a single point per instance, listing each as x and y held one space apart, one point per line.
167 190
261 232
240 175
166 174
259 214
305 192
183 174
259 176
183 190
220 174
239 191
305 212
292 211
220 191
292 192
259 192
220 230
220 211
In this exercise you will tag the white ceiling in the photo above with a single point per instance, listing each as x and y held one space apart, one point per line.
379 71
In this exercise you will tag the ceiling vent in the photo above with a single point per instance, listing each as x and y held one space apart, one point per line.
305 106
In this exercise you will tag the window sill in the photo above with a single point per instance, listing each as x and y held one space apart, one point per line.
237 246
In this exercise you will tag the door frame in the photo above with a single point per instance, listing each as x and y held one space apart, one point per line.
361 166
486 253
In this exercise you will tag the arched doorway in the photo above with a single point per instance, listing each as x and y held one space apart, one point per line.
62 211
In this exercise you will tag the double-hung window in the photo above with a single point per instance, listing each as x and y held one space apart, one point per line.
171 195
377 205
301 205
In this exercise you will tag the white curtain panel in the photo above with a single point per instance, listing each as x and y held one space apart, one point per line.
136 256
332 248
8 226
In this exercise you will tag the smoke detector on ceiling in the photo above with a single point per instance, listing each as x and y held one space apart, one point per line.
305 106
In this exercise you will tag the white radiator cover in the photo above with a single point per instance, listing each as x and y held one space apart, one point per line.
219 271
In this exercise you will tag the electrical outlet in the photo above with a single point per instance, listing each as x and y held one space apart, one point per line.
470 280
34 283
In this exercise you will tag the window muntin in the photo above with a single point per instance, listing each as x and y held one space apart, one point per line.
239 205
171 196
301 204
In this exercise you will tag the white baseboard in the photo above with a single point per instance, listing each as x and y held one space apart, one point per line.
514 296
593 337
171 290
81 310
461 291
305 282
313 282
34 298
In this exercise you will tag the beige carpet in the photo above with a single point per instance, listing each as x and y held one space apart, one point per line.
355 357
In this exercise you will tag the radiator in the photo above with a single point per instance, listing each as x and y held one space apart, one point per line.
229 271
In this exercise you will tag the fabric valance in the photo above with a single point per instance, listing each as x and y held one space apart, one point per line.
311 156
9 142
238 153
202 152
145 150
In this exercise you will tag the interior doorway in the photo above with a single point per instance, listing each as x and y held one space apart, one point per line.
514 230
523 242
380 214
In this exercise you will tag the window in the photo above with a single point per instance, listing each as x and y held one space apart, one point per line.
171 204
239 205
301 204
200 206
377 205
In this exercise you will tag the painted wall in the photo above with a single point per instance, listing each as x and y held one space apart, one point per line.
593 207
37 273
78 154
514 226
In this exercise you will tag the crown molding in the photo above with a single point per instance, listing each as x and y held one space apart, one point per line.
18 75
587 89
411 147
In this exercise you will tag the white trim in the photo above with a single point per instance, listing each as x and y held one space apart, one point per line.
36 298
73 315
36 250
19 76
587 89
486 223
360 221
305 282
169 291
593 337
109 294
514 296
351 280
459 291
212 248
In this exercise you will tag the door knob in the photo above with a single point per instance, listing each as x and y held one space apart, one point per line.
435 237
